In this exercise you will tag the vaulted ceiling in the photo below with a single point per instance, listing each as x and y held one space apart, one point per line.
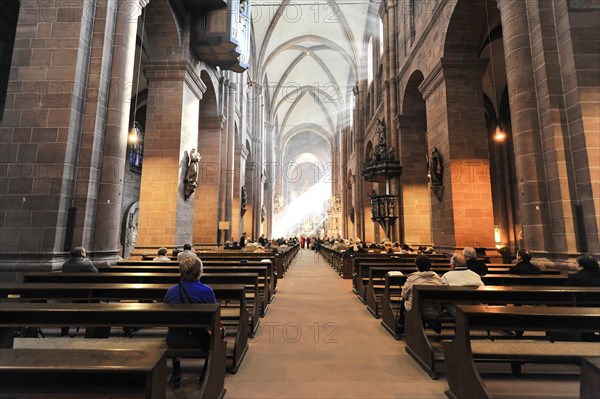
309 55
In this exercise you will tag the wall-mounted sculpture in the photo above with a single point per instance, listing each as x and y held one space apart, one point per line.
435 170
243 201
191 175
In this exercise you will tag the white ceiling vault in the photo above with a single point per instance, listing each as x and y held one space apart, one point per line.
310 54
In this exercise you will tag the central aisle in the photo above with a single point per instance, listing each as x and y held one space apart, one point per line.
318 341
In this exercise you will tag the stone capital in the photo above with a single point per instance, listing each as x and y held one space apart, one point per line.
178 71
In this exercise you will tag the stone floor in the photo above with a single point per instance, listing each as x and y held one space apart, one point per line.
318 341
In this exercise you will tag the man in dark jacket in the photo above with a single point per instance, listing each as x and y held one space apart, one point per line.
472 263
78 263
588 273
524 265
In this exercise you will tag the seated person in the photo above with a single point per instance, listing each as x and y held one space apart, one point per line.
460 276
186 253
189 290
162 256
524 265
472 263
588 273
78 262
423 276
406 249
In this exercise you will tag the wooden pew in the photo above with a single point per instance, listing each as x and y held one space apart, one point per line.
375 282
333 258
390 299
250 280
590 378
235 318
460 354
208 263
143 315
262 271
420 347
54 368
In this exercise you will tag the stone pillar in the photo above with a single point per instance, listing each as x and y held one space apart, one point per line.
174 93
206 203
415 201
230 163
531 175
110 189
456 126
360 129
391 99
42 127
240 164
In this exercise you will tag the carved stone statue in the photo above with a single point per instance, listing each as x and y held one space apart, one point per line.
243 201
191 174
436 169
374 204
263 213
352 214
436 173
381 133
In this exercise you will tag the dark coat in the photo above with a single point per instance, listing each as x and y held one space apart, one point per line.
584 278
477 266
524 267
78 265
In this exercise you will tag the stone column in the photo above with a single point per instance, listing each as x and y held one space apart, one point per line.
206 203
456 126
531 175
110 189
391 103
174 93
230 163
360 129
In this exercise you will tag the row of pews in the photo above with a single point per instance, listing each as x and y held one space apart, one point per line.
129 295
491 322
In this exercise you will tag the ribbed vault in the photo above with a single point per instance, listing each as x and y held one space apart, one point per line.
309 56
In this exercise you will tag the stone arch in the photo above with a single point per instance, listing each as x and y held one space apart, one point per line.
464 151
416 199
467 27
165 31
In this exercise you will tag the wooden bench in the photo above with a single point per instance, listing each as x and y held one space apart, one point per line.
264 280
56 368
232 298
374 284
250 280
590 378
391 298
428 355
460 354
272 273
141 315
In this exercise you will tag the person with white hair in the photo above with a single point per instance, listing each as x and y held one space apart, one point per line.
472 263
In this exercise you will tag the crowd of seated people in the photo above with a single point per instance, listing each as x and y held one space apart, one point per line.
357 245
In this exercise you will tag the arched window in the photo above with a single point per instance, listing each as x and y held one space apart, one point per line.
136 148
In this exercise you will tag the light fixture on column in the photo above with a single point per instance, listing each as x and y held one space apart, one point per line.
499 135
133 131
497 236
